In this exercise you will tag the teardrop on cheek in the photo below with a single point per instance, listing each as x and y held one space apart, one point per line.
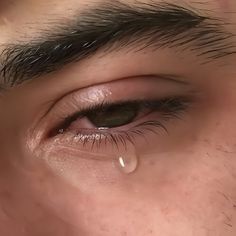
128 163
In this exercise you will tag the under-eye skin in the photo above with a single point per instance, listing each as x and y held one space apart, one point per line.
96 121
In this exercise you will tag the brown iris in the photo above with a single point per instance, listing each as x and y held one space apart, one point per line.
113 116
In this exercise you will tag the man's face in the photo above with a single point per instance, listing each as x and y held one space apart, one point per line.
117 118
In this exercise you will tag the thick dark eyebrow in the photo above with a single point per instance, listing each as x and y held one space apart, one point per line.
110 26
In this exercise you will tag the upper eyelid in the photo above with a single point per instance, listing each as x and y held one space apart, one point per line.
165 82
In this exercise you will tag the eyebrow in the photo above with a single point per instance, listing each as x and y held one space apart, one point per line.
111 26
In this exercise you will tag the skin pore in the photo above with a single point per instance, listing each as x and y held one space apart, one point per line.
164 72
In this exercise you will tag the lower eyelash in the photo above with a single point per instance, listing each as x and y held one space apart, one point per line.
118 139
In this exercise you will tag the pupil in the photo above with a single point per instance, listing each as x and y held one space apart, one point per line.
113 116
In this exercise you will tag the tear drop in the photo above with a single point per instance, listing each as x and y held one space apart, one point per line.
128 163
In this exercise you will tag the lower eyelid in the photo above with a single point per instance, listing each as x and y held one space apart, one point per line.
94 140
105 146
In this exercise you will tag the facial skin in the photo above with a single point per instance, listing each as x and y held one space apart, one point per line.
62 176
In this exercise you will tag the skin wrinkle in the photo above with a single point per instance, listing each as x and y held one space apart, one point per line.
208 38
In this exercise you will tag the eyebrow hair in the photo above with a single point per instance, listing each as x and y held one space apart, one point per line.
111 26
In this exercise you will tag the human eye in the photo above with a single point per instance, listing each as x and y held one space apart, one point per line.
116 122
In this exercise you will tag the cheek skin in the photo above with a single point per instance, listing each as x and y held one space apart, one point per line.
192 190
180 196
192 196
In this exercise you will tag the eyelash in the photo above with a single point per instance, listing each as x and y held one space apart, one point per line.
169 108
